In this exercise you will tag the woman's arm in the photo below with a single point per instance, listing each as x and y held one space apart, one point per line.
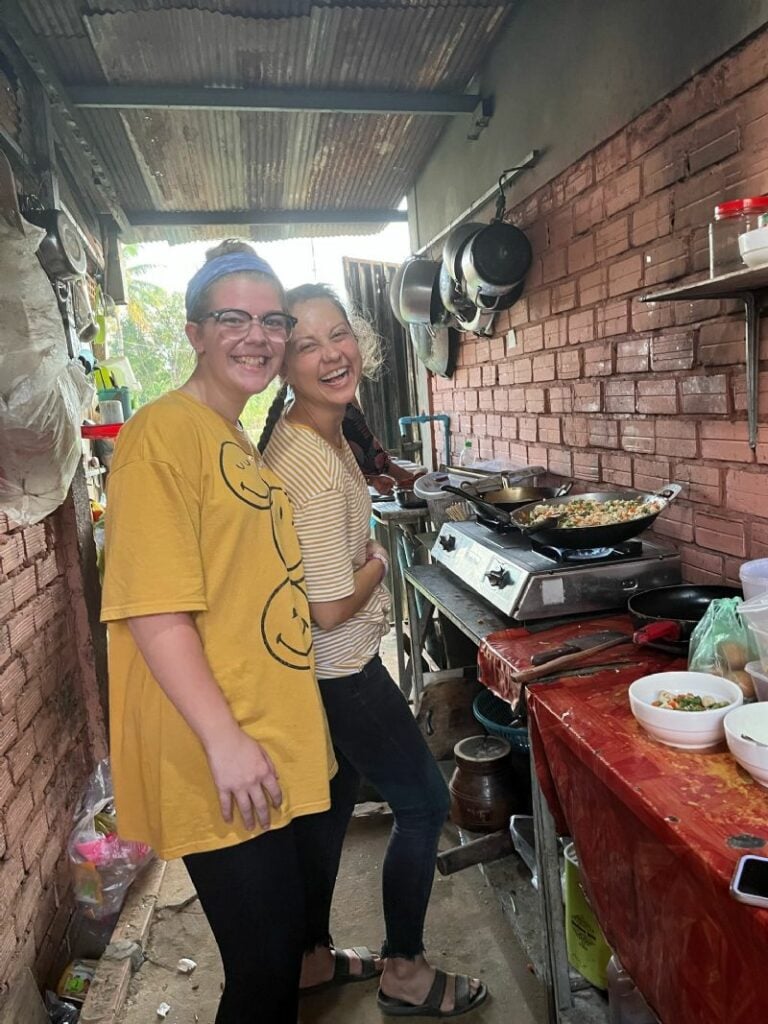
241 768
329 614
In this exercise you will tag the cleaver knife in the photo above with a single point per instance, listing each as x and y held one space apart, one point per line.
580 643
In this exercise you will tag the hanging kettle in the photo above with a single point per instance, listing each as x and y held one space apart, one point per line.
494 261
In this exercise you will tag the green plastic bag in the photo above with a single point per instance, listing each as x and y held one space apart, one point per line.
722 644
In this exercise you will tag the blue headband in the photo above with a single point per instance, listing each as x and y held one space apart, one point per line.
232 263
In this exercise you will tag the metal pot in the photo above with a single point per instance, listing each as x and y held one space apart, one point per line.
546 531
495 260
407 498
684 605
420 293
395 287
61 253
508 499
454 244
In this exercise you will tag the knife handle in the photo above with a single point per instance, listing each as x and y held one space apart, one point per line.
529 674
549 655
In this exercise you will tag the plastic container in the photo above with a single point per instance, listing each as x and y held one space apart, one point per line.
524 842
759 679
111 412
588 952
754 578
467 456
732 219
755 611
122 395
625 1001
495 715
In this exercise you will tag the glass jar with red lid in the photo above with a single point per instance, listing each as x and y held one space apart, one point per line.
731 220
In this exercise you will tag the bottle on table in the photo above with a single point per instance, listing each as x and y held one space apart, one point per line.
467 456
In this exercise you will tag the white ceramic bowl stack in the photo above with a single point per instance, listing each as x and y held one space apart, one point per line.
746 733
753 246
688 730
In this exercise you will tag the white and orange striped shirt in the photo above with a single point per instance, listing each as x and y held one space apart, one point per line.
332 513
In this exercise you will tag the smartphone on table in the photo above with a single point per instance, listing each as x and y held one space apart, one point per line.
750 880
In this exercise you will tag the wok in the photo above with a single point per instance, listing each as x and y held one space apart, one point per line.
498 504
684 605
546 531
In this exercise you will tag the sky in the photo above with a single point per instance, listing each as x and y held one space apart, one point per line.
295 261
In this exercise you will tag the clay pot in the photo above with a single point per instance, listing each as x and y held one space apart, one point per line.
483 789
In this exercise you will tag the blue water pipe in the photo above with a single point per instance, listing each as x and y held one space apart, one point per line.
405 421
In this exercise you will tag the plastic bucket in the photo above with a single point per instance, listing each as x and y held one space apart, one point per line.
588 952
754 578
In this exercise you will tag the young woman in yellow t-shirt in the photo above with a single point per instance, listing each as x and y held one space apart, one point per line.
220 751
373 730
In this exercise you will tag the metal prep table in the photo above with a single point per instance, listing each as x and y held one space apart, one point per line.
476 620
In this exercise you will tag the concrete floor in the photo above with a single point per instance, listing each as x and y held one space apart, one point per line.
465 930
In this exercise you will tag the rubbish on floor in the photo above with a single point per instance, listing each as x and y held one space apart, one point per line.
185 965
163 1010
76 980
59 1011
125 949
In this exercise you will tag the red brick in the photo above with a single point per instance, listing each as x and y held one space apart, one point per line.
500 399
9 730
581 254
11 553
593 286
612 239
740 394
518 314
485 399
11 685
482 350
7 787
704 484
713 139
11 877
560 461
649 316
719 534
657 396
6 598
581 326
611 156
493 425
619 396
555 332
553 265
586 466
490 375
758 540
21 755
638 436
469 349
526 428
633 356
617 469
560 400
676 438
677 523
532 338
587 396
666 261
516 400
569 364
671 352
539 304
625 275
509 428
549 430
747 492
577 178
651 474
500 449
721 342
575 431
588 210
34 541
726 441
696 198
475 377
18 815
523 371
744 68
564 296
652 219
537 455
497 353
479 425
535 400
559 229
704 394
598 360
622 190
544 366
471 403
701 566
663 167
27 902
602 433
612 319
693 312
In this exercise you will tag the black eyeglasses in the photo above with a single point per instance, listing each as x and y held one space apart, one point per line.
235 324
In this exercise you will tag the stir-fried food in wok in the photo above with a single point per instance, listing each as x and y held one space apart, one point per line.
585 512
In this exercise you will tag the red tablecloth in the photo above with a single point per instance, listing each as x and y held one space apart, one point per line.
658 832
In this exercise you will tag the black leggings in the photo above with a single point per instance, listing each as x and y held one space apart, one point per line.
253 897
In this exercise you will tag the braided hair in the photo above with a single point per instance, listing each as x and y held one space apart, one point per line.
274 414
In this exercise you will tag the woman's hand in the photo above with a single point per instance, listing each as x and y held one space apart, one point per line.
243 771
381 483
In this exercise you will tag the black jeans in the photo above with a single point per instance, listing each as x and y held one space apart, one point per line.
376 736
253 897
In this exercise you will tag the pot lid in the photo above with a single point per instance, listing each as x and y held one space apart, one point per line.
736 207
482 749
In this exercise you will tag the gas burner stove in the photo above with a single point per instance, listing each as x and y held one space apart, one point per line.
528 583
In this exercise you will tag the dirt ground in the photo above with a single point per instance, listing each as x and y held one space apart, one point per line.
465 929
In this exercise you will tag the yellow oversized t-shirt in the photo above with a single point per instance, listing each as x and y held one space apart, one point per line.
196 524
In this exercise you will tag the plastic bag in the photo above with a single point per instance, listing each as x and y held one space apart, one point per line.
60 1011
104 865
722 644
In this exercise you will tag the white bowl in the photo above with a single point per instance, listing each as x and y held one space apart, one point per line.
749 720
689 730
753 246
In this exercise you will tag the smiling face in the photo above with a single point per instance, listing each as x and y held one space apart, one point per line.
323 364
235 369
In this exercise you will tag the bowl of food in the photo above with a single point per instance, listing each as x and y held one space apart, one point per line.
746 733
684 709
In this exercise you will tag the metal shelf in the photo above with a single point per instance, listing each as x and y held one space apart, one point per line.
751 286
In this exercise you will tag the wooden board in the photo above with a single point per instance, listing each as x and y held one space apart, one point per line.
22 1004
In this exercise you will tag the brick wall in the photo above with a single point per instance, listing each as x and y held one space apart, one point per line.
45 740
584 378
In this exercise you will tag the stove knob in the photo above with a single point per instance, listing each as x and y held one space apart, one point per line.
498 577
448 542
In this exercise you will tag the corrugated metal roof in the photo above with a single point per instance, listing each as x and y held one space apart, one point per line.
165 159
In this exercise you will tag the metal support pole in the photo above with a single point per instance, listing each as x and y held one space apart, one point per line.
751 321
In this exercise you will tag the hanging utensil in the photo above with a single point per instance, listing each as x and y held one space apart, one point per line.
495 260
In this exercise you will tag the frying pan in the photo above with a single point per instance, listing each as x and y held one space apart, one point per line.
684 605
546 531
498 504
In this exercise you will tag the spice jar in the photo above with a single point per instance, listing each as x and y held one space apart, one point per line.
731 220
482 787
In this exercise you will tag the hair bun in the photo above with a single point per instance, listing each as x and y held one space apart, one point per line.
228 247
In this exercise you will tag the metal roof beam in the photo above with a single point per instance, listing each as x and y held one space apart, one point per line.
350 101
193 218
